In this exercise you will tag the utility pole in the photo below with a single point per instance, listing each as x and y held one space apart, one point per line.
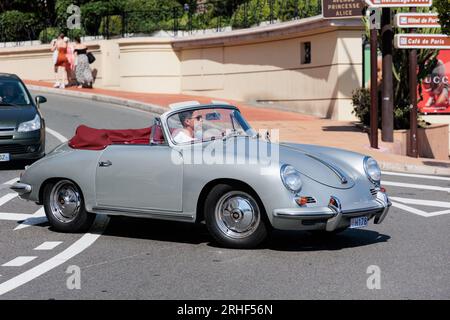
413 147
387 121
373 78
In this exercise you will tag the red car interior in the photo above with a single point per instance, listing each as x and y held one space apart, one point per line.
97 139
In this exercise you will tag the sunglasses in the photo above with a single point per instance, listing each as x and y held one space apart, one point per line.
198 118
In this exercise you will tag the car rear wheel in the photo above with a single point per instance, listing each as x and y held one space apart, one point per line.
64 207
234 217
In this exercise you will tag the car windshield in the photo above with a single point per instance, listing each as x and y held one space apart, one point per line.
13 93
206 124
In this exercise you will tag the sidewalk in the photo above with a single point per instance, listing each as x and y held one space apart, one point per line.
292 126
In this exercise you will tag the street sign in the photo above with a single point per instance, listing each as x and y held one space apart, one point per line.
338 9
421 41
417 20
399 3
374 18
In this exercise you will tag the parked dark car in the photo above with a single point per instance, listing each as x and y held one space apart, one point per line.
22 127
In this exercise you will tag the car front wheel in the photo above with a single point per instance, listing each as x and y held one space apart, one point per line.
64 207
234 217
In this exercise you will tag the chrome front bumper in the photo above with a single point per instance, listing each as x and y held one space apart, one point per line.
21 188
328 218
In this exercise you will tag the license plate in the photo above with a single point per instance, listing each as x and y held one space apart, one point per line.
359 222
4 157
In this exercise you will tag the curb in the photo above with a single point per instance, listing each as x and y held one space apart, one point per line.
102 98
413 168
387 166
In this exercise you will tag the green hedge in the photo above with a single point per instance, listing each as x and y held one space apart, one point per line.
48 34
18 26
254 12
146 16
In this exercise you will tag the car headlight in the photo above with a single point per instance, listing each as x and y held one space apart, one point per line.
372 169
291 178
31 125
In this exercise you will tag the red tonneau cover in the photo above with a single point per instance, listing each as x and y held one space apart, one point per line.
98 139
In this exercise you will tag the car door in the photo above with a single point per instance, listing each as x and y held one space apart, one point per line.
147 177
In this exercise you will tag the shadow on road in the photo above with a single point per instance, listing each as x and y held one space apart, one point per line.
180 232
15 165
305 241
159 230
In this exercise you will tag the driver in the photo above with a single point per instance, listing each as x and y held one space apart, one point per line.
191 124
10 95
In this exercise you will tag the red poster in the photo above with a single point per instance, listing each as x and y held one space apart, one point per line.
435 88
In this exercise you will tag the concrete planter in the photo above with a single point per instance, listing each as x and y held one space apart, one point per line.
433 142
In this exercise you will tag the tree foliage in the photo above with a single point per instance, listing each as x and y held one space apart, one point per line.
253 12
17 25
114 17
443 9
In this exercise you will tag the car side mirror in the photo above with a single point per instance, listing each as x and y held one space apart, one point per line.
40 99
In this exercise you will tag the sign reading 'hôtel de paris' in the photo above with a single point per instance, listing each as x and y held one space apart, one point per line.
333 9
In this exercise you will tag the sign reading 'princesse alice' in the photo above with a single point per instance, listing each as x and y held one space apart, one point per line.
336 9
421 41
399 3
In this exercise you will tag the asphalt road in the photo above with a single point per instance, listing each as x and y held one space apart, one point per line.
125 258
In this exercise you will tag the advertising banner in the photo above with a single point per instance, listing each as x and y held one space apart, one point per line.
435 87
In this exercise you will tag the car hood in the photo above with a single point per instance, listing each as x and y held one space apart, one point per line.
11 117
322 167
331 167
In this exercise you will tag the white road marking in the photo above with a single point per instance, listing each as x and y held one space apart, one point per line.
414 176
410 209
37 218
438 213
57 135
396 203
414 186
79 246
7 197
430 203
14 216
18 262
11 182
48 245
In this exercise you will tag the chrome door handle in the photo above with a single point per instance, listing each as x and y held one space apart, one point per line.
105 163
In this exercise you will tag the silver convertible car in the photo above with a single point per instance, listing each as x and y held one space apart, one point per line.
204 163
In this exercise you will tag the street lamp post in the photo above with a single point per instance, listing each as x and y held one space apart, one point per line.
187 10
175 21
387 121
413 98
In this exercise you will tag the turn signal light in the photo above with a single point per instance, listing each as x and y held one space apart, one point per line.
383 189
333 202
302 201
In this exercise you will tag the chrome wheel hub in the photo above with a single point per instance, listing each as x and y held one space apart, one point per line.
237 214
65 201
